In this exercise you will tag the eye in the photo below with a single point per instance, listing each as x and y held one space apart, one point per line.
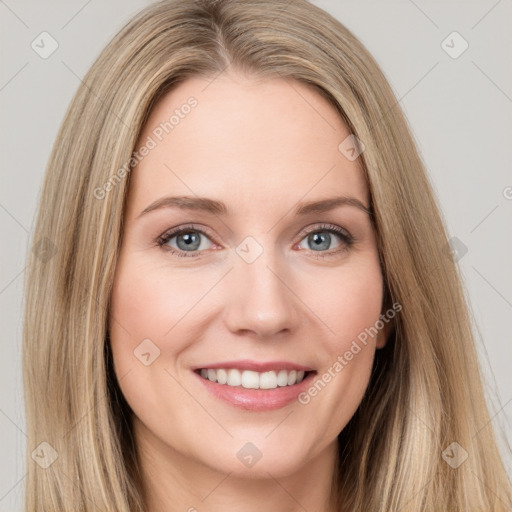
181 241
320 240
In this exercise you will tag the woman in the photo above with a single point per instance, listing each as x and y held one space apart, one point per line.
249 298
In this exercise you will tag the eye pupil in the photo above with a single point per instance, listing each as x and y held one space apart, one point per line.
191 240
320 240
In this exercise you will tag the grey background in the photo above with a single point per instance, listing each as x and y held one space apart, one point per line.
460 111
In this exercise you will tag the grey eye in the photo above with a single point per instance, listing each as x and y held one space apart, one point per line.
188 240
318 241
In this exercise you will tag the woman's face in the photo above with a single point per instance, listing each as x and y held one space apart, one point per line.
259 287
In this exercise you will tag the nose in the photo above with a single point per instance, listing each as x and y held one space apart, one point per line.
260 298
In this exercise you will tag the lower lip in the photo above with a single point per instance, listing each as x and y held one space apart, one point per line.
257 399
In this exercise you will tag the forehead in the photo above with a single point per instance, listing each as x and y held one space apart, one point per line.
244 140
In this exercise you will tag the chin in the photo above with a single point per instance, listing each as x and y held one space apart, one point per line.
253 459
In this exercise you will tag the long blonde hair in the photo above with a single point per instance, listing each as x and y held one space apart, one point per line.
425 391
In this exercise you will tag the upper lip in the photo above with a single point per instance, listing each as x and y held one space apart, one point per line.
257 366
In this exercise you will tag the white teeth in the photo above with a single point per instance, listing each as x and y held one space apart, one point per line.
222 376
234 378
282 378
253 380
250 380
268 380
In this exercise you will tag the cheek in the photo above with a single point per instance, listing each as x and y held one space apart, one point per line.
142 311
157 310
148 303
350 302
350 305
148 322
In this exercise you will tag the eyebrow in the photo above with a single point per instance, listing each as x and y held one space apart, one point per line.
219 208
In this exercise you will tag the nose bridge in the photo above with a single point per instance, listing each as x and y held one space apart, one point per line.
258 297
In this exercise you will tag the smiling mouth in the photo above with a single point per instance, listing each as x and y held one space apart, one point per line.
250 379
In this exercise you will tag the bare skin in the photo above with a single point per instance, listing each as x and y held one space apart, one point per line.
261 147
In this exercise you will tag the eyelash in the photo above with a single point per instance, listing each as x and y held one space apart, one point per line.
347 240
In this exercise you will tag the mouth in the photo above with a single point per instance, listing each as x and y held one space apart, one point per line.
255 386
